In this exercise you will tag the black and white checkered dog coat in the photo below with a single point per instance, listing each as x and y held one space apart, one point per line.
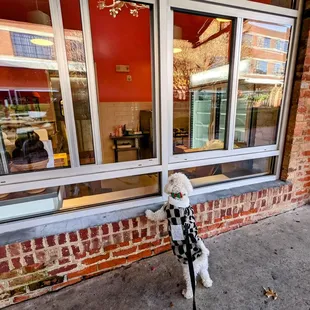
180 216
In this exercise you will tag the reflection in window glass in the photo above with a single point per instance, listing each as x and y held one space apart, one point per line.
261 67
123 64
207 175
279 69
267 42
64 198
117 189
5 156
201 57
261 79
33 128
78 78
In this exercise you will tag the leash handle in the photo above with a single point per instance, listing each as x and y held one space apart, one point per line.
190 263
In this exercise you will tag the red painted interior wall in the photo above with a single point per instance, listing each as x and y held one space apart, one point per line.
121 40
12 78
124 40
262 1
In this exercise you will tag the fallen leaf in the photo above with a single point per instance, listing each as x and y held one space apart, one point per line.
270 293
171 305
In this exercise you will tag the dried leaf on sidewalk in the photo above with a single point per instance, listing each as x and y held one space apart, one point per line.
270 293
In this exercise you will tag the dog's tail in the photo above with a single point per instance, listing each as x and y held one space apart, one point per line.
203 248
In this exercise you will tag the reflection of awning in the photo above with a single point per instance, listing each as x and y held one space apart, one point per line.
33 63
218 74
29 89
262 81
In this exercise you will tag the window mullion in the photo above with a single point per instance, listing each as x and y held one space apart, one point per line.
165 23
91 76
234 80
156 79
64 78
2 155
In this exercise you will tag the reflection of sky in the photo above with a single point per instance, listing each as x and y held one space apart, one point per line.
282 28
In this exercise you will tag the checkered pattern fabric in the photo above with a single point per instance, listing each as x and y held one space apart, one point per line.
180 216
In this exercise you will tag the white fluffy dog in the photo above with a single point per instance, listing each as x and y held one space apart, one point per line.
178 212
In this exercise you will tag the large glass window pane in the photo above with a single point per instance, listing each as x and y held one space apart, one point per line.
261 79
212 174
106 191
31 118
122 50
201 64
71 15
65 198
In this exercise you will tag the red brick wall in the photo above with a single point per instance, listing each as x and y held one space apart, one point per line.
296 162
35 267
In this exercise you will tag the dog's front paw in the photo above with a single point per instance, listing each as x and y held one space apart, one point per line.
149 214
188 294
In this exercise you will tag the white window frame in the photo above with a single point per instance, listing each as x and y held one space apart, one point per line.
33 180
197 159
165 160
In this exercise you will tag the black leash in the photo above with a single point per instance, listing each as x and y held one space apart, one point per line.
190 263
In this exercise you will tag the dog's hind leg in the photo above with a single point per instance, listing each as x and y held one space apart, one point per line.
187 292
205 277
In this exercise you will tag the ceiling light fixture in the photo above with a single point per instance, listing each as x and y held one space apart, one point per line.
223 20
116 6
177 50
42 42
38 17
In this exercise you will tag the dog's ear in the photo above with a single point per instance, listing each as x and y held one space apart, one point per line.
187 184
169 185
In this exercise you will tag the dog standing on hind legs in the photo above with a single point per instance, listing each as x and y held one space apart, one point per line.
179 213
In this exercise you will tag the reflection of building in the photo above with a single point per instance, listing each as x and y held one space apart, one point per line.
18 48
204 64
267 46
264 51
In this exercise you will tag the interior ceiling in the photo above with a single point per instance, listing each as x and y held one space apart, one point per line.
192 25
17 9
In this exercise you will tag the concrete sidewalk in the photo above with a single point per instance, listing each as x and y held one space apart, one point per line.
275 252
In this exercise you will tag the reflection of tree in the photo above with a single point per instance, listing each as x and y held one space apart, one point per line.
183 63
210 54
216 51
75 46
246 50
